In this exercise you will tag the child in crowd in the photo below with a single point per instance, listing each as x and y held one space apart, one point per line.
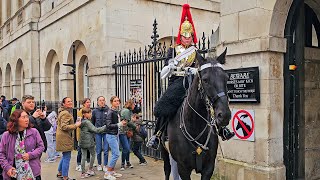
87 143
139 135
51 135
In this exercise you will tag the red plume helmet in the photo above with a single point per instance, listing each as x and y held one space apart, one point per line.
186 27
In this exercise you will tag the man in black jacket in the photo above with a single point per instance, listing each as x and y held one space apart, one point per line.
37 117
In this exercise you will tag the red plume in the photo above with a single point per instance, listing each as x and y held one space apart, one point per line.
186 13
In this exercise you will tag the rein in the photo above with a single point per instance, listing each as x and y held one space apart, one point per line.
212 124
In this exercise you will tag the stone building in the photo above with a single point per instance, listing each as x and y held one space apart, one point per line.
36 38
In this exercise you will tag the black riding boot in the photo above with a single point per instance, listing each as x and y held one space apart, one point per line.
225 133
154 141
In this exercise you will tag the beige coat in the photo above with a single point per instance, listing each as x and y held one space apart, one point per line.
65 127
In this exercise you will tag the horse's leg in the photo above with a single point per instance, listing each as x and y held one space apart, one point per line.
166 162
207 172
184 173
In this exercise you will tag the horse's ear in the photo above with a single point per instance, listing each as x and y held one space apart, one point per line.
199 58
222 58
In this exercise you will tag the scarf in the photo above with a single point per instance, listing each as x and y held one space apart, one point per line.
23 168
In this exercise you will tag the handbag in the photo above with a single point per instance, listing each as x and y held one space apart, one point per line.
129 133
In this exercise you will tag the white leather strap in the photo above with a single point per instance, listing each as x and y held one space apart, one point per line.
209 65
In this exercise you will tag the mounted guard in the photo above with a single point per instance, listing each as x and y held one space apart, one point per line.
180 59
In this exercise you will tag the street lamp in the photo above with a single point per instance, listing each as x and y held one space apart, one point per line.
73 72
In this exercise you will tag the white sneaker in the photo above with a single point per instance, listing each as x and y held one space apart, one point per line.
109 177
117 175
99 168
78 168
105 168
143 164
91 173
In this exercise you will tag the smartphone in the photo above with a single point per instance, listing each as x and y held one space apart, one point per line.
78 119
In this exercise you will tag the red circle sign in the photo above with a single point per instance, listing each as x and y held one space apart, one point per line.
242 124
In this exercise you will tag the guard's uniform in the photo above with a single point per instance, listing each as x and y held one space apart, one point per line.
178 57
172 99
183 56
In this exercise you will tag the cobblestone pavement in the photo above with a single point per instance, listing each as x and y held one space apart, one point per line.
153 171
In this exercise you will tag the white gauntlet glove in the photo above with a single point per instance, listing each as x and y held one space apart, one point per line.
191 70
167 70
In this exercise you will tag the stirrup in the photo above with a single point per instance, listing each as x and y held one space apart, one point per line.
154 141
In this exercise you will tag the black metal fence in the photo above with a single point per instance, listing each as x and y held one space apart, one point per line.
137 77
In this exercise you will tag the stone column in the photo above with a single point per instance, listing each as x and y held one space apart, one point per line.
4 16
14 6
7 89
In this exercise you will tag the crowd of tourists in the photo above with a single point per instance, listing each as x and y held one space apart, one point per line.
27 131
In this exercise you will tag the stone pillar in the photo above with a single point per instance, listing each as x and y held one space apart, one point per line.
7 89
4 16
14 6
16 90
245 28
9 8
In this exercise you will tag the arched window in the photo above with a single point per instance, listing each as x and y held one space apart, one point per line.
312 27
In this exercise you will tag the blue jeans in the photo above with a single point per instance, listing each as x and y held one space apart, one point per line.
64 163
51 148
101 138
125 143
114 146
174 169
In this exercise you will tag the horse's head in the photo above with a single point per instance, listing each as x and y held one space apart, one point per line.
213 80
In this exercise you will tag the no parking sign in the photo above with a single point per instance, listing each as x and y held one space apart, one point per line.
243 124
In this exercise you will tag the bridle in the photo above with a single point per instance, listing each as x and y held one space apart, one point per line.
212 122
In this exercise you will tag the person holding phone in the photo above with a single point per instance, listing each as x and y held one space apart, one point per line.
36 117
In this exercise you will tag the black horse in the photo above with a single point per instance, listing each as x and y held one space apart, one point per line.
192 132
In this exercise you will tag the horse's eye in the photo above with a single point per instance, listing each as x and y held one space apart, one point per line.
205 81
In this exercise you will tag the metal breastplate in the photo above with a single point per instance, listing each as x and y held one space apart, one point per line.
186 62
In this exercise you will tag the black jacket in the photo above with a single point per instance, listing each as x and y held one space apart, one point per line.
112 122
3 126
4 113
41 125
99 116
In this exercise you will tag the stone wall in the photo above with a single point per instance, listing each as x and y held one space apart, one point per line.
99 29
246 32
312 115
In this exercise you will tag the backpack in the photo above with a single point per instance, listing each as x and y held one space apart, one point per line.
143 132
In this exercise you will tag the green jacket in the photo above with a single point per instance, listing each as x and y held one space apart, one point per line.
88 132
126 114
